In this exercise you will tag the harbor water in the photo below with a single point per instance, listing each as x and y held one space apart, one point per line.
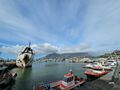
44 72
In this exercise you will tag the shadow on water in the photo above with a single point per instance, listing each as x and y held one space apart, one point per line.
43 72
23 79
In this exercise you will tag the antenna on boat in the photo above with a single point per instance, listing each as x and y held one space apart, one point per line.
29 44
71 71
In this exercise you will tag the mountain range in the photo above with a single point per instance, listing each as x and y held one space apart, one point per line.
67 55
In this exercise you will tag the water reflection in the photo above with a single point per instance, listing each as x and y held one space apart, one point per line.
23 78
43 72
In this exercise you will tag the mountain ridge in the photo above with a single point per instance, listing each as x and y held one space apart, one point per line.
67 55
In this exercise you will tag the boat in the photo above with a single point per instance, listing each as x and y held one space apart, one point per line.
107 67
111 63
90 65
25 58
95 65
94 74
69 82
98 65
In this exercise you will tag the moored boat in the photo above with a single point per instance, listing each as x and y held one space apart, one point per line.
93 74
111 63
95 65
69 82
96 73
98 65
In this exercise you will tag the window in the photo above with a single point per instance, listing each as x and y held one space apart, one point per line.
68 79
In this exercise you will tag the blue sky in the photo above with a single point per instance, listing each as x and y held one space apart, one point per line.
59 26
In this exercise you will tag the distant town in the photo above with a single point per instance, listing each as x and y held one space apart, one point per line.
72 57
78 57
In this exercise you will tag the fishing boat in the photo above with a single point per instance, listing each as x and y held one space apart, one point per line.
69 82
94 74
25 58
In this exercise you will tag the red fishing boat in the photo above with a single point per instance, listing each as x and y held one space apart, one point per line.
69 82
93 74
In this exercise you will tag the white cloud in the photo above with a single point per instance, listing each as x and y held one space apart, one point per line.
94 22
39 49
46 48
79 48
23 28
11 49
102 24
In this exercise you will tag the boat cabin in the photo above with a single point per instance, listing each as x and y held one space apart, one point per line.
69 79
27 50
111 62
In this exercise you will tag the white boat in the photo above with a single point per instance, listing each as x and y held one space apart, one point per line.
25 58
107 67
98 65
90 65
111 63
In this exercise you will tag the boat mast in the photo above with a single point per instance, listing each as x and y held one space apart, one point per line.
29 44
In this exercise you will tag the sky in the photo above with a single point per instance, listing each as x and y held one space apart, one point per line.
60 26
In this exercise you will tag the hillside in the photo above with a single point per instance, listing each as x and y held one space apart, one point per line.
114 54
66 55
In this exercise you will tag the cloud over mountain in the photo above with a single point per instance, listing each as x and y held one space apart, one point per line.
66 24
45 48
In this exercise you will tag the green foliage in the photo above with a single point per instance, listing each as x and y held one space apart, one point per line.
113 54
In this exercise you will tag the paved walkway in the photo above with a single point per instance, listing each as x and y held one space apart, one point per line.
116 86
116 77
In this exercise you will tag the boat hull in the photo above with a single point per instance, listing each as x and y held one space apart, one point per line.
92 75
59 86
24 60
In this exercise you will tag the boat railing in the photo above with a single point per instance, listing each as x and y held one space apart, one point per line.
46 85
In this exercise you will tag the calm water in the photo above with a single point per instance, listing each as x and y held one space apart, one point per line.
44 72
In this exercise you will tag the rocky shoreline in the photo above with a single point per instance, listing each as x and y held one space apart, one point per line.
10 65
